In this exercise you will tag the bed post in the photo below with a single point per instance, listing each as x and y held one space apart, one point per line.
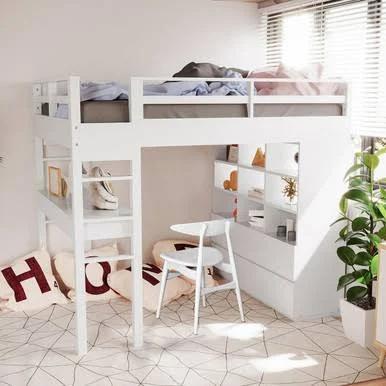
136 265
77 215
39 165
136 100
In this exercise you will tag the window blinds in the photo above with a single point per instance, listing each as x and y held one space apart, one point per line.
347 36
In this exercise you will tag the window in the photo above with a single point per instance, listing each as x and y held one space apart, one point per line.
348 37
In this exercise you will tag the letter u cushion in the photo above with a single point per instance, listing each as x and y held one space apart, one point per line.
28 283
97 287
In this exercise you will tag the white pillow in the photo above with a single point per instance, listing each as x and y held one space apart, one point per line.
96 273
121 281
28 283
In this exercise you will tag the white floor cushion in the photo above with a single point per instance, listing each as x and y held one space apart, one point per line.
97 287
28 283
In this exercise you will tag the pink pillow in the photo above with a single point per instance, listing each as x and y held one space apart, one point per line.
297 88
264 72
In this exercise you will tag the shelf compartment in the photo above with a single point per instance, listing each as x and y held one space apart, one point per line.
107 178
98 224
269 234
283 207
230 192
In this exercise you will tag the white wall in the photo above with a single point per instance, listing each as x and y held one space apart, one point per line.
105 39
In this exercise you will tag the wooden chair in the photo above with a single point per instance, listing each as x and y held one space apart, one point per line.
191 262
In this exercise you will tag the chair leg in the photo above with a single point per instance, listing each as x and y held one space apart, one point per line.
239 301
197 300
203 286
162 289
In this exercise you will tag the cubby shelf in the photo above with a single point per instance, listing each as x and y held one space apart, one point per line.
275 172
279 162
255 229
283 207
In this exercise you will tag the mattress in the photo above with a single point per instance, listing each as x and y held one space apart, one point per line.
117 111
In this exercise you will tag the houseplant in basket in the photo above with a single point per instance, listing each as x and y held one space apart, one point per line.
363 215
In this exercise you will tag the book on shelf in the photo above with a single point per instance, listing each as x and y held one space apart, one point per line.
256 213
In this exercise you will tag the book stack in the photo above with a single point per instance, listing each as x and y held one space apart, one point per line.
256 218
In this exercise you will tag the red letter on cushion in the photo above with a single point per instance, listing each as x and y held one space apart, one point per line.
92 289
14 281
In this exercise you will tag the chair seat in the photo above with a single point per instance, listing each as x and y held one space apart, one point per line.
188 257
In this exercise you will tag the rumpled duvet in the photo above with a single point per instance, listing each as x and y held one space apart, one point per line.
189 88
113 90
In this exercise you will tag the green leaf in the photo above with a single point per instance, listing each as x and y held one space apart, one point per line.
356 241
375 239
347 255
359 223
382 233
363 258
355 181
374 266
383 192
356 292
370 160
343 232
357 195
380 152
339 220
353 169
362 276
345 280
382 209
343 205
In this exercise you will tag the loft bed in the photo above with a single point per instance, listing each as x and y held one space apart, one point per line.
118 130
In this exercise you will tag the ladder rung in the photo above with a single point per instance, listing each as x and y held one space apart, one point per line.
98 259
107 178
49 159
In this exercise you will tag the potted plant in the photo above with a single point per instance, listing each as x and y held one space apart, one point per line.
363 213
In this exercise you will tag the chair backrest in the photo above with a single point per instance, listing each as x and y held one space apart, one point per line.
213 228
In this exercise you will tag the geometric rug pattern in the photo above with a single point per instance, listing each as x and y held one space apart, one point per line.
37 348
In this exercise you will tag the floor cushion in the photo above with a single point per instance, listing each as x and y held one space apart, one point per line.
121 281
28 283
96 273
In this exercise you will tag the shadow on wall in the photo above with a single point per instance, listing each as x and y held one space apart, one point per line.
177 188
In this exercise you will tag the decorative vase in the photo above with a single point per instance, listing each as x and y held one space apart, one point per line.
358 324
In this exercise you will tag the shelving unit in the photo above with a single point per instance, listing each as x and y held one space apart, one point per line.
262 256
279 163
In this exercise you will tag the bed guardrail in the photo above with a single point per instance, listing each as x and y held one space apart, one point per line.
138 100
48 97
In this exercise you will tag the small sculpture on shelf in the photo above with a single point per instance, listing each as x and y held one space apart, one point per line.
231 184
259 159
290 189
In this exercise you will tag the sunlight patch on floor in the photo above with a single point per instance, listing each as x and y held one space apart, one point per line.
241 331
283 362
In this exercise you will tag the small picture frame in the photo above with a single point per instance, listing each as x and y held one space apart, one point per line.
55 181
233 153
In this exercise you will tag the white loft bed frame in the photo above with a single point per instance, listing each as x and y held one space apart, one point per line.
124 141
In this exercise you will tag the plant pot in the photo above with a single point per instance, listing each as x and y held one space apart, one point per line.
358 324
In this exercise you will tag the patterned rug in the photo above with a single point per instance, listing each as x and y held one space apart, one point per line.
37 348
